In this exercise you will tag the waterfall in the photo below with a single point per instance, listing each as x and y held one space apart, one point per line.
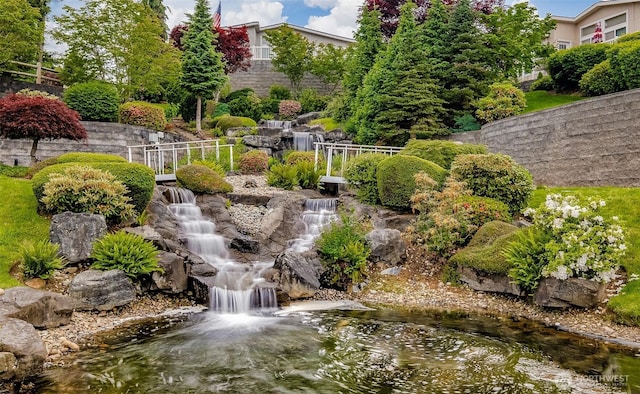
317 214
237 288
302 141
279 124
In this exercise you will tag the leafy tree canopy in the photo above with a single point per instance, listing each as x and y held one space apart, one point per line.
292 53
20 32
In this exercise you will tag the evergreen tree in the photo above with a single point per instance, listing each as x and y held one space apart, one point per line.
362 56
160 10
202 68
398 97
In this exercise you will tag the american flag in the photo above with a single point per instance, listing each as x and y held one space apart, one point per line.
597 34
217 15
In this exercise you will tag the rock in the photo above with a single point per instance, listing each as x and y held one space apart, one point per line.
555 293
308 117
298 274
19 338
161 219
101 290
335 135
173 279
149 234
64 342
1 292
200 286
492 283
8 363
387 246
394 271
42 309
245 244
282 223
35 283
250 183
214 208
75 233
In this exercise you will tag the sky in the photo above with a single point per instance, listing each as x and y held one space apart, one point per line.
331 16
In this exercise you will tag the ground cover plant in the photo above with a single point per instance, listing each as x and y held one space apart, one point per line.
539 100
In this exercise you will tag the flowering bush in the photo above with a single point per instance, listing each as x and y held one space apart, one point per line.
581 243
254 162
288 109
139 113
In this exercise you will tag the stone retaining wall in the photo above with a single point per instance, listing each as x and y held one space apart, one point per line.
594 142
9 86
112 138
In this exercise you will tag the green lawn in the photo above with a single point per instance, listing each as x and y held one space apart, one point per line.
20 222
539 100
621 202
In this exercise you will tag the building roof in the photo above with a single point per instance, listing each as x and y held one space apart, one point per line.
298 28
592 8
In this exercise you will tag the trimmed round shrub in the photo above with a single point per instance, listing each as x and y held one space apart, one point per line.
254 162
542 83
396 183
246 107
140 113
624 64
361 173
226 122
504 100
567 67
127 252
84 157
82 189
214 165
440 152
495 176
201 179
270 106
294 157
170 110
139 179
94 101
480 210
244 92
288 109
279 92
600 80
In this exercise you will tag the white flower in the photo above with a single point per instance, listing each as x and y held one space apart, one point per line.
561 273
598 219
615 218
557 223
611 239
529 212
622 247
603 203
582 263
593 204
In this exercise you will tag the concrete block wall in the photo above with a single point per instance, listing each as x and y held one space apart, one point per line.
111 138
261 76
9 86
594 142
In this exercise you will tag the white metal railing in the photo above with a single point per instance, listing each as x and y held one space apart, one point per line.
346 151
261 52
165 158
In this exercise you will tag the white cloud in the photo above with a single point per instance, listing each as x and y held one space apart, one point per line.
341 20
324 4
263 11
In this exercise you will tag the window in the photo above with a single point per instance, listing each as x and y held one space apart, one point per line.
564 44
588 31
616 20
610 35
621 32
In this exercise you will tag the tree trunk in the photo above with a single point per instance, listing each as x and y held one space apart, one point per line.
34 148
199 115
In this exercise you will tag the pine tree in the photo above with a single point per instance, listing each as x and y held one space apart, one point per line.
202 68
399 98
160 10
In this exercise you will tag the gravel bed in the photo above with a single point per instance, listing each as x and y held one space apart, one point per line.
247 218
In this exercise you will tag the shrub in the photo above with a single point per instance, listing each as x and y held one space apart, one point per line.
127 252
495 176
542 83
284 176
226 122
361 173
294 157
201 179
567 67
466 122
40 259
279 92
213 165
480 210
13 171
38 93
526 256
624 64
600 80
344 252
254 162
84 157
311 101
139 113
170 110
327 123
87 190
139 179
237 94
221 109
288 109
396 182
440 152
270 106
504 100
188 107
94 101
308 176
246 107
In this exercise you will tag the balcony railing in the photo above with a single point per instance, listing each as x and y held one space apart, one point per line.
261 52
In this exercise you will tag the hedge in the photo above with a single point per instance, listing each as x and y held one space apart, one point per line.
94 101
84 157
140 113
396 182
567 67
226 122
440 152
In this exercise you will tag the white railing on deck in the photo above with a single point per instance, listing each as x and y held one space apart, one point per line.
165 158
343 152
261 52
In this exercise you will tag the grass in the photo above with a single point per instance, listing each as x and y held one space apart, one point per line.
621 202
539 100
327 123
20 222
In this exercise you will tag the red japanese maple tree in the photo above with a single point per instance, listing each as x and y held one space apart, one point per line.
38 118
233 43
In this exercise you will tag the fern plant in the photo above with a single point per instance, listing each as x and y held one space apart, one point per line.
527 257
308 176
40 259
127 252
283 176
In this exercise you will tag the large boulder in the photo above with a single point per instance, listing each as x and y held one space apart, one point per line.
160 218
42 309
22 351
387 246
308 117
555 293
101 290
214 207
489 282
173 279
282 223
297 274
76 233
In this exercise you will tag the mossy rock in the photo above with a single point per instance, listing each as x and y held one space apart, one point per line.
484 252
84 157
440 152
396 183
202 179
139 179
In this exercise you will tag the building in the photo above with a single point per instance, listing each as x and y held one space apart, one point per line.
260 76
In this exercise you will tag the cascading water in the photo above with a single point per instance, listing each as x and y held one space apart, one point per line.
237 288
317 214
279 124
304 141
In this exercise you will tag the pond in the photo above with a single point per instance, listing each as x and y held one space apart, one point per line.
381 351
